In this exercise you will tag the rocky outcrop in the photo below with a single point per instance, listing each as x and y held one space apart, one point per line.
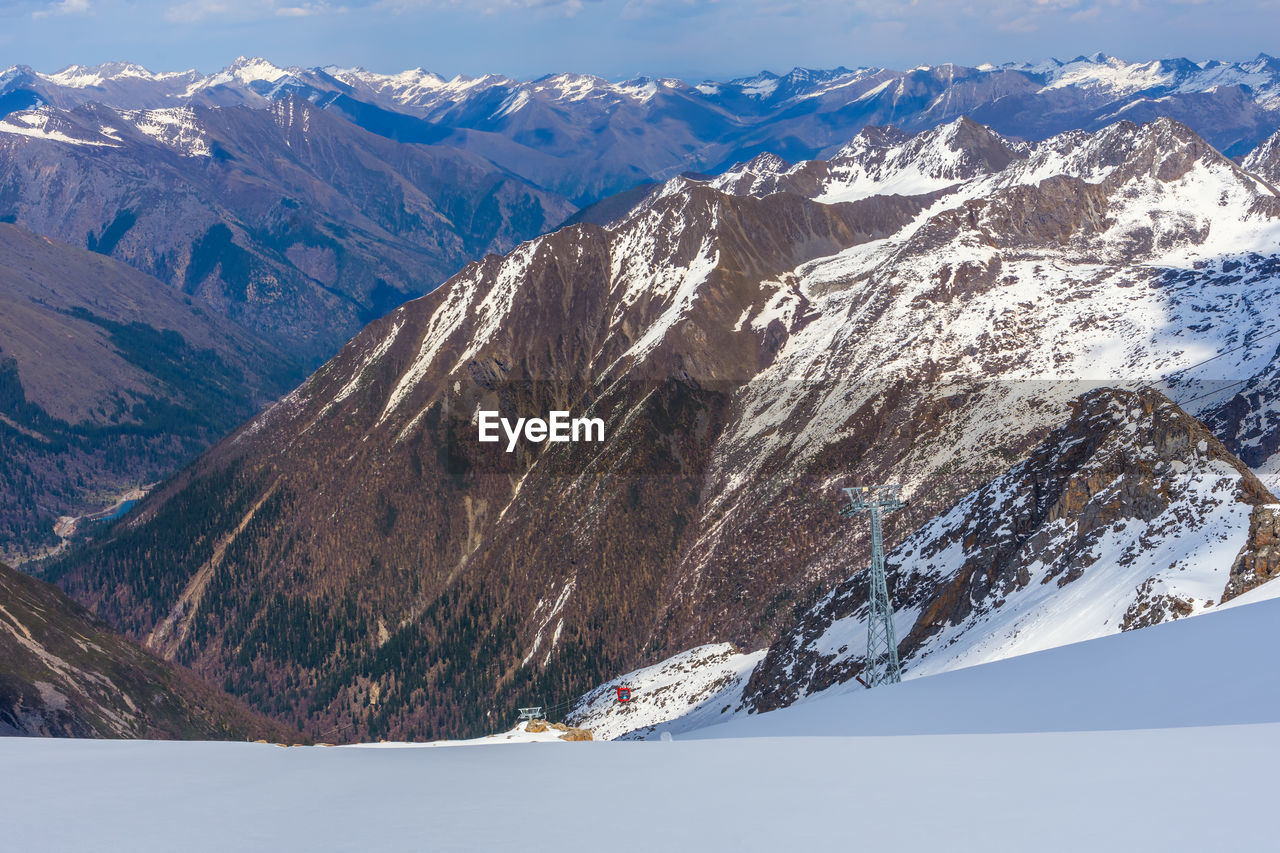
572 733
1259 559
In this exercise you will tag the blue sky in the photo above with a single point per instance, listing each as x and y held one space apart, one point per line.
621 38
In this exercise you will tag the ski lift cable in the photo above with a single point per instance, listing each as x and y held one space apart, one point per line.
1236 348
567 704
1179 403
1183 403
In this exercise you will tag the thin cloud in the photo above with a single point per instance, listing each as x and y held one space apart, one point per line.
66 7
193 11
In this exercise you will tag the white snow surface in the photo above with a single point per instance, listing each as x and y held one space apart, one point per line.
1138 742
516 735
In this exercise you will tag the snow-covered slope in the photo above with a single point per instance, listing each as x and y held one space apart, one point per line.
690 690
1264 160
786 780
1115 78
1193 672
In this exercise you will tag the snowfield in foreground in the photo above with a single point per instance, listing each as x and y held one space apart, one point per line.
1141 741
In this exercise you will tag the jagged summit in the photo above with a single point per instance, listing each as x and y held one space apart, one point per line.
1264 160
882 161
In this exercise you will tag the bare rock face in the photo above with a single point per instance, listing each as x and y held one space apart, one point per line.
573 734
1259 559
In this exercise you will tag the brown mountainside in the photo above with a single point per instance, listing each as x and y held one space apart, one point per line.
430 563
108 379
64 673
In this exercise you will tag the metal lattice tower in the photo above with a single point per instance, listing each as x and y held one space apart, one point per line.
881 665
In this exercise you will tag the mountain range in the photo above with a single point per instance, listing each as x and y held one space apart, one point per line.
294 223
1035 332
1055 280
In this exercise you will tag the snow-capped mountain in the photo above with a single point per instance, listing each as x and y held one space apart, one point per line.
749 355
585 137
882 161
